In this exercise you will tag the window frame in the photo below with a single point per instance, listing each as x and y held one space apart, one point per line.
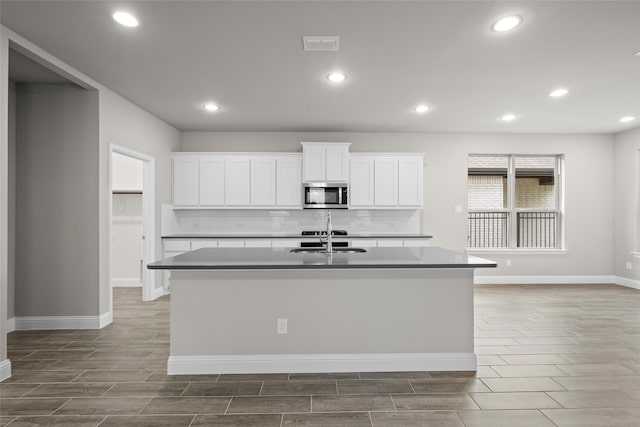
512 211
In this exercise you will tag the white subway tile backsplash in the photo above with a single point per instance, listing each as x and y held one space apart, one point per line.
234 221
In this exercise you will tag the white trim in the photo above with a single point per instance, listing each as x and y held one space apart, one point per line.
158 292
126 283
11 325
276 363
629 283
522 280
476 251
106 319
5 369
635 254
61 322
148 278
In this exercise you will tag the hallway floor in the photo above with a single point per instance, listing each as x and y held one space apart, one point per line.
549 355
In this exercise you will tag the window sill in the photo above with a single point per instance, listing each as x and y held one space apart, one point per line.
520 251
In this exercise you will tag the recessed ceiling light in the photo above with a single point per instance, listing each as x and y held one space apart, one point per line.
126 19
210 106
508 117
422 108
507 23
337 77
557 93
627 119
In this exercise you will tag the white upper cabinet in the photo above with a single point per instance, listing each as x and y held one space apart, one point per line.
289 181
386 181
263 181
212 181
185 181
237 181
325 161
410 179
361 182
385 173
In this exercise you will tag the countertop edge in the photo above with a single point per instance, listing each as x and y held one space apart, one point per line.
296 236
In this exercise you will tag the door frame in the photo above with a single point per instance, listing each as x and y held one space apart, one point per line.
148 219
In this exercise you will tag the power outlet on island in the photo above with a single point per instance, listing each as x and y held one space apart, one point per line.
629 265
508 262
282 326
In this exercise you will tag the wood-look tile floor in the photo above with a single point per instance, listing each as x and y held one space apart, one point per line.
561 355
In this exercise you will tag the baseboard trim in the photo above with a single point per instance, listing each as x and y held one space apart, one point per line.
11 325
106 319
5 369
526 280
61 322
308 363
126 283
629 283
158 292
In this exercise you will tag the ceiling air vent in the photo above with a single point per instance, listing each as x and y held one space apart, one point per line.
321 43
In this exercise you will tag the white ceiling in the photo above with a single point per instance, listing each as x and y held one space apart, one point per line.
248 57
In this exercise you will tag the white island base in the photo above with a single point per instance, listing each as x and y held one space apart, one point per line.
338 320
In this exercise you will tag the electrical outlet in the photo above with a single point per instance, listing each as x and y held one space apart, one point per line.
282 326
629 265
458 208
508 262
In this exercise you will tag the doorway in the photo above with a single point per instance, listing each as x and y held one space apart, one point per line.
132 226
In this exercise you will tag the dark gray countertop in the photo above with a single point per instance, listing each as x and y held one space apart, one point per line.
295 236
282 258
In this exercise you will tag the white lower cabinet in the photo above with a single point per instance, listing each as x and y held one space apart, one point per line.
364 243
285 243
171 248
257 243
202 243
417 243
390 243
231 243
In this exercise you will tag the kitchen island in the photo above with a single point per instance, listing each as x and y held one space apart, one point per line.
270 310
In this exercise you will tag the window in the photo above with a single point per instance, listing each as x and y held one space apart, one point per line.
514 202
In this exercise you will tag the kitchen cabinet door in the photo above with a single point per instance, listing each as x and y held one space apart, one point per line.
211 181
361 183
410 181
325 161
390 243
263 181
203 243
289 181
417 243
314 159
237 181
337 163
185 181
385 181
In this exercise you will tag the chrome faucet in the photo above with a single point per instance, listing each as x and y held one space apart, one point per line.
329 234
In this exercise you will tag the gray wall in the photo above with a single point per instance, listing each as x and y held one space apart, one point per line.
627 203
56 201
125 124
589 178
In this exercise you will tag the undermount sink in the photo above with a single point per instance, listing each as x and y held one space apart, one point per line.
324 250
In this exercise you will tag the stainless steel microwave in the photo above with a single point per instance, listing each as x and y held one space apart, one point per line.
325 195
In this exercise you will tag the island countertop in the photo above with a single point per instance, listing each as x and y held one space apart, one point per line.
282 258
294 236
